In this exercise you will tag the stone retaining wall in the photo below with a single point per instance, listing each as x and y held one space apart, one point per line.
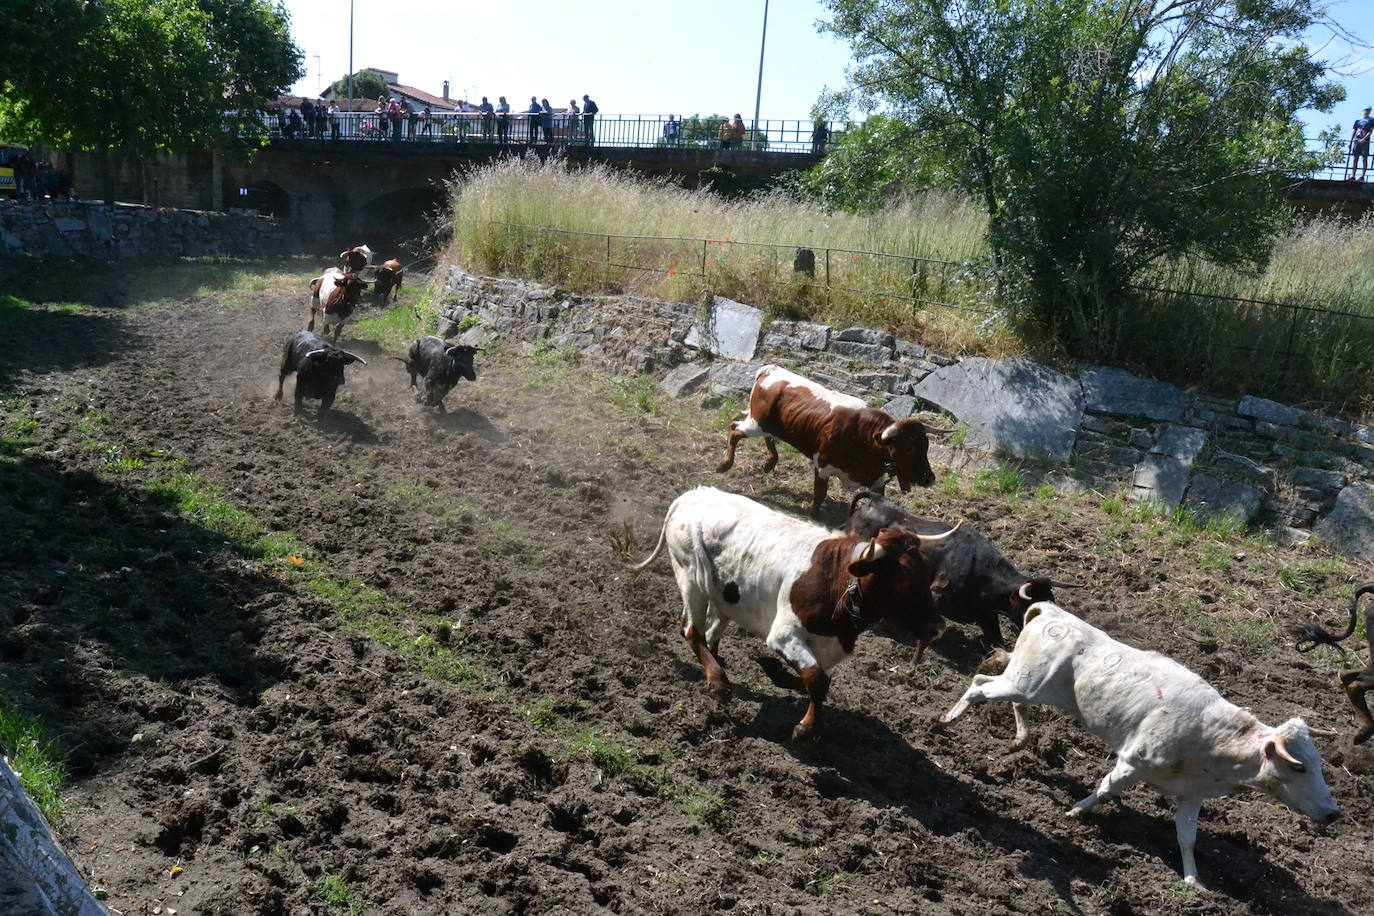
86 229
1267 463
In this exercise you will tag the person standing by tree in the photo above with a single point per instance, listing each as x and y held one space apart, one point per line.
820 136
589 111
1359 146
670 130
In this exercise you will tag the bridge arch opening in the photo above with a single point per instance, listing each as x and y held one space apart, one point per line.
266 197
403 219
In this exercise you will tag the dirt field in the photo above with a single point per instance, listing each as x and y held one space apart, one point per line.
389 662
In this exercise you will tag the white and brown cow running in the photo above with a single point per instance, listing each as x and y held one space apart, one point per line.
807 590
334 294
1169 727
844 437
354 260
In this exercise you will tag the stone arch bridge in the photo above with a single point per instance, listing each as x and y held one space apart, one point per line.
383 191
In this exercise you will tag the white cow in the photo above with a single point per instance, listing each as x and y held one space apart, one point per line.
808 590
1169 727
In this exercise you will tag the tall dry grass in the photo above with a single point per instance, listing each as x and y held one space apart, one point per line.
598 228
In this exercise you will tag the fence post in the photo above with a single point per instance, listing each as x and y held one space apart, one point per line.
1288 349
827 278
703 261
606 274
917 285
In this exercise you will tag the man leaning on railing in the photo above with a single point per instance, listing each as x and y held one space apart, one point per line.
1359 147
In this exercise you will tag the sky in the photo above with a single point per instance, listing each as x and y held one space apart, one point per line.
630 56
651 56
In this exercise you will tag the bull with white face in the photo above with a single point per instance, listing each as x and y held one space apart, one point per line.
1169 727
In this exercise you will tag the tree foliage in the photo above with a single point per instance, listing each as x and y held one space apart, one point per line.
367 84
1100 135
143 75
872 163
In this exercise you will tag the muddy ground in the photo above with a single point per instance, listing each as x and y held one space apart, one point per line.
485 714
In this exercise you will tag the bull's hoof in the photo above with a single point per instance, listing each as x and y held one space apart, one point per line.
769 465
724 466
1364 735
803 732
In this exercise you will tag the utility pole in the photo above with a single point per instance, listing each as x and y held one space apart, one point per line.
350 56
758 93
319 77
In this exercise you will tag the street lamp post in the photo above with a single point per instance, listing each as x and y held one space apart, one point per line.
350 55
758 93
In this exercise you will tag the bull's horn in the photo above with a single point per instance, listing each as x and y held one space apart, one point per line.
888 433
936 538
354 356
1324 732
875 551
1281 749
317 352
1023 592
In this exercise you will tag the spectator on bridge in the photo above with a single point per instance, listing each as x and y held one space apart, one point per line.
502 120
1359 147
546 119
393 112
488 117
412 117
670 131
321 117
308 114
536 115
334 120
570 121
426 122
726 134
280 114
737 131
293 123
820 136
589 111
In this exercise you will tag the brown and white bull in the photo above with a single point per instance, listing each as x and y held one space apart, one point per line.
388 279
1169 727
334 294
807 590
353 260
844 437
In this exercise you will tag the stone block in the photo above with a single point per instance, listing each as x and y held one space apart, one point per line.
734 377
1350 523
901 407
1014 407
1270 411
1211 497
1103 426
1140 438
775 341
1182 442
684 380
1318 478
1118 393
908 350
729 329
1161 478
67 224
1118 456
1365 434
868 336
860 352
882 381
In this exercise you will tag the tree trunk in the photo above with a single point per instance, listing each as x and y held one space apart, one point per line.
107 186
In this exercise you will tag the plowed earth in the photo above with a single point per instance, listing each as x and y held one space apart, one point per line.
454 700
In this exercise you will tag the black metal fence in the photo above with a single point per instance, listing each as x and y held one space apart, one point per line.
636 131
1278 348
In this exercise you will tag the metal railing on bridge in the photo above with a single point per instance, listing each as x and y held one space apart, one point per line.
625 131
1341 162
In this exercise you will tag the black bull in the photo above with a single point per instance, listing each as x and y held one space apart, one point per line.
319 368
970 581
439 365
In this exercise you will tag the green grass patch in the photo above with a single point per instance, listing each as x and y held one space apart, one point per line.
34 758
333 890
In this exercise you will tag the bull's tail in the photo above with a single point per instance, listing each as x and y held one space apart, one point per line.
658 548
860 497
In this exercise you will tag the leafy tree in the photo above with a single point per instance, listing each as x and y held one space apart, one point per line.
870 163
1101 136
143 76
367 84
